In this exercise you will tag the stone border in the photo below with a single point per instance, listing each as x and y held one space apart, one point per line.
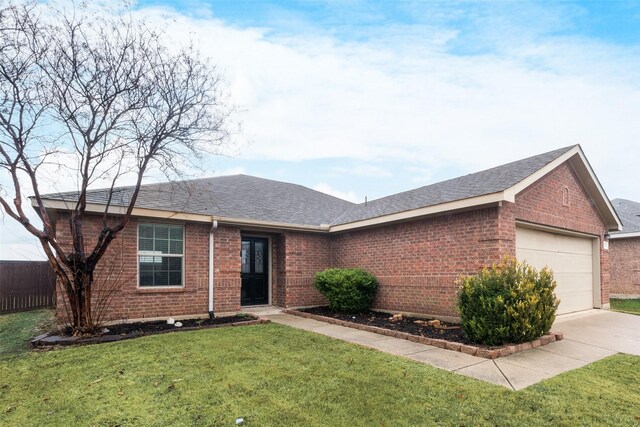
473 350
50 339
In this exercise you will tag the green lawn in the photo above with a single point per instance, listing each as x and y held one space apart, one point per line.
17 329
275 375
626 305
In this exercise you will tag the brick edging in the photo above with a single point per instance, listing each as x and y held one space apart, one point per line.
50 339
473 350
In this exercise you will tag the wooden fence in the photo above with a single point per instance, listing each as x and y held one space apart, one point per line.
26 285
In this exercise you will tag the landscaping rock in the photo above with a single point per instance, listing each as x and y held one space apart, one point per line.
468 349
455 346
471 349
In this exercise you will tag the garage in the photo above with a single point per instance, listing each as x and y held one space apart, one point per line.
571 259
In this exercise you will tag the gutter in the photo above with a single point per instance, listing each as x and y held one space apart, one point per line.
214 225
624 235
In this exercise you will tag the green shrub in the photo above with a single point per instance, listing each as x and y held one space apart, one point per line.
508 303
348 290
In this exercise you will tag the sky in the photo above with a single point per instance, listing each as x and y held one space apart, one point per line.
365 99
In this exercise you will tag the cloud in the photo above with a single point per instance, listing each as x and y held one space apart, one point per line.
455 88
345 195
365 170
407 95
30 251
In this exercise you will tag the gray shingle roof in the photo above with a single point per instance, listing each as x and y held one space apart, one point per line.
252 198
234 196
476 184
629 213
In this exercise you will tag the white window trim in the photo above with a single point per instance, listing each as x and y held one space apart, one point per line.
140 253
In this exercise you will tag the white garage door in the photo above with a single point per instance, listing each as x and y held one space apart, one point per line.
570 258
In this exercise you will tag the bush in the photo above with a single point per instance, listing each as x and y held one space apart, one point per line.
349 290
508 303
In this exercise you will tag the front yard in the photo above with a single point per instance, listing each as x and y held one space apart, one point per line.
275 375
17 329
631 306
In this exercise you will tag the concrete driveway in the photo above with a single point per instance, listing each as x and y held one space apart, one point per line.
619 332
588 336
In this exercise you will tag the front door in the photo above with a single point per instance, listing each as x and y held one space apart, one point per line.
255 271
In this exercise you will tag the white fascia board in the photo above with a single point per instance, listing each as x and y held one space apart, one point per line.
487 199
525 183
625 235
121 210
601 191
181 216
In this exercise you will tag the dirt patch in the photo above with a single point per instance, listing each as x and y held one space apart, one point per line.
145 328
425 331
125 331
411 325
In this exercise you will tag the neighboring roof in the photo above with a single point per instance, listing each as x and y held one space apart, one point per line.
243 199
476 184
629 213
234 196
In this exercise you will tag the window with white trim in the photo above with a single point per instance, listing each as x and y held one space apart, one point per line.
160 255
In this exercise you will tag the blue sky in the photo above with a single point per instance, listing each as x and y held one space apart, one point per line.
360 98
610 21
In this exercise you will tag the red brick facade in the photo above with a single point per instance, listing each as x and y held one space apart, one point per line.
544 203
417 262
301 256
130 301
625 267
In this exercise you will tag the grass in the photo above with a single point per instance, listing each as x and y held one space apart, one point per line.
17 329
631 306
274 375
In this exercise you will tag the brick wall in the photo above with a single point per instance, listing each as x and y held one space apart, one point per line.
227 266
417 263
544 203
118 270
301 256
278 285
624 256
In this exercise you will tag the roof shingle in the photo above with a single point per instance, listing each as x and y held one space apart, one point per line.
629 213
252 198
476 184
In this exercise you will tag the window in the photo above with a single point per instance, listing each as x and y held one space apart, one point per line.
160 254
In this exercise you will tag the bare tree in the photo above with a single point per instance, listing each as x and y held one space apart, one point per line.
107 91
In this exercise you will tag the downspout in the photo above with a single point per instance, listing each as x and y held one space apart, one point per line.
214 225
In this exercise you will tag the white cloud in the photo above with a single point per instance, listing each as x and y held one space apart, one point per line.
403 94
365 170
22 251
345 195
405 98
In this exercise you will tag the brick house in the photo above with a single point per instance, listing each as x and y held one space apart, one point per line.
624 251
221 244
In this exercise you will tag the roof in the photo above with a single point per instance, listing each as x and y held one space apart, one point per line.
243 199
233 196
476 184
629 213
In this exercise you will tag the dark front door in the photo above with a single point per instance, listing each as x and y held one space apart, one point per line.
255 271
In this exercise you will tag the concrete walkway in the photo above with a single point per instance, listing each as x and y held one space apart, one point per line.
588 337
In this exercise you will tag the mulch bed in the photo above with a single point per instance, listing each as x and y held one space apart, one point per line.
122 331
448 336
410 325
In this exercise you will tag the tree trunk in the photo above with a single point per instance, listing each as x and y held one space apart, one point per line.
79 297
